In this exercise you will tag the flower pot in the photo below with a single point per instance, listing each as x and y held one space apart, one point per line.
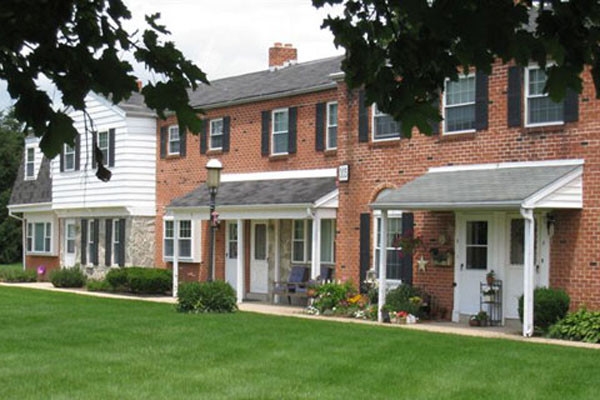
474 322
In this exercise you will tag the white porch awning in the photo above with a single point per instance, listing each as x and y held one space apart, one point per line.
547 184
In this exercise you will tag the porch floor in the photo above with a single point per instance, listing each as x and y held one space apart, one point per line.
510 332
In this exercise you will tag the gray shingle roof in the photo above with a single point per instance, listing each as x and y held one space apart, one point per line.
266 192
32 191
296 78
476 188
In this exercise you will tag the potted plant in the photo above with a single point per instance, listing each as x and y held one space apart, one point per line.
489 294
483 318
490 277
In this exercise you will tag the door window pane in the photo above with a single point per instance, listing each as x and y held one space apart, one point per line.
232 246
260 242
477 244
517 237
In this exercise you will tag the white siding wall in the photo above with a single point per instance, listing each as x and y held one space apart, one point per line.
133 182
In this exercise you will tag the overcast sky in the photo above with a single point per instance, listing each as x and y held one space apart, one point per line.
232 37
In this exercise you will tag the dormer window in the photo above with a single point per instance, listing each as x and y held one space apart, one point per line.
30 163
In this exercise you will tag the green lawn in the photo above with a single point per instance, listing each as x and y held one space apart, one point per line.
65 346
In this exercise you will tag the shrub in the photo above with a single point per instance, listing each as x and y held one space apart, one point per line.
200 297
68 278
330 296
405 298
582 325
98 286
18 275
140 280
549 306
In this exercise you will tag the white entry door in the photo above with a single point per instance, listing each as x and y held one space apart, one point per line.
474 262
259 266
231 253
69 249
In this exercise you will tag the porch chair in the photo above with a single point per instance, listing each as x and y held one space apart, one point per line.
296 284
325 275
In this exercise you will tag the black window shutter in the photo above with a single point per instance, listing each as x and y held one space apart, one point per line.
163 142
292 129
204 136
96 237
94 144
571 105
320 127
406 269
226 130
77 151
62 159
365 245
435 125
111 147
265 132
363 118
108 243
514 96
121 255
481 101
182 142
84 241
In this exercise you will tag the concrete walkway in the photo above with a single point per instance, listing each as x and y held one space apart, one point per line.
298 312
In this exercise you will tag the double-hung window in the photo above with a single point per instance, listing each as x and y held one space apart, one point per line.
216 134
103 146
184 238
173 142
91 244
394 255
540 108
69 157
280 131
328 241
302 241
459 105
384 126
116 244
39 237
30 163
332 125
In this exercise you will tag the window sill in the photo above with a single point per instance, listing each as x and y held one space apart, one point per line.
40 254
180 259
541 129
330 153
214 152
173 157
385 143
457 137
279 157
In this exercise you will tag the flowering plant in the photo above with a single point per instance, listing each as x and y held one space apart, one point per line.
407 243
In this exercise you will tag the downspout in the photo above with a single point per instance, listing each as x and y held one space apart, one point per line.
528 271
23 236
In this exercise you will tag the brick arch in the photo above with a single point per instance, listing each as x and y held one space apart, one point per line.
380 188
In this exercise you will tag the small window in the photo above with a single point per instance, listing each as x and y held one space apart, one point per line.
541 109
332 118
29 236
216 134
30 163
477 244
103 146
459 105
69 157
185 239
328 241
302 241
384 126
39 237
71 233
280 132
174 142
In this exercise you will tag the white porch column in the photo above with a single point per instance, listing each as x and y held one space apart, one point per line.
240 261
175 257
382 264
316 247
528 271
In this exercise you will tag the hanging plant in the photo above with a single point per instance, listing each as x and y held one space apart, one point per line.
407 243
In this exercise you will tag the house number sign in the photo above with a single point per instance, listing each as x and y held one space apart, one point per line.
344 173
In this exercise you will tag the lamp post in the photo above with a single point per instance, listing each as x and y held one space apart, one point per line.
213 178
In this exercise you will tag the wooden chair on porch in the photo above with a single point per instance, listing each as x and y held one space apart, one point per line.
296 284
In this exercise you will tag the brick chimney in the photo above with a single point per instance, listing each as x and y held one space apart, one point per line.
279 54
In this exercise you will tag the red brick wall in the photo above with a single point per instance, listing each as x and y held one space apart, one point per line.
50 262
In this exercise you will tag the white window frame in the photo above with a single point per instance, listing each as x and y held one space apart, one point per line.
47 237
191 239
115 241
214 133
70 238
392 215
30 162
331 244
171 140
446 106
375 113
528 97
104 149
69 153
306 240
331 125
286 112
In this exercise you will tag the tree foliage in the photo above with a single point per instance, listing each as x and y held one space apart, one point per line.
78 45
11 153
402 51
